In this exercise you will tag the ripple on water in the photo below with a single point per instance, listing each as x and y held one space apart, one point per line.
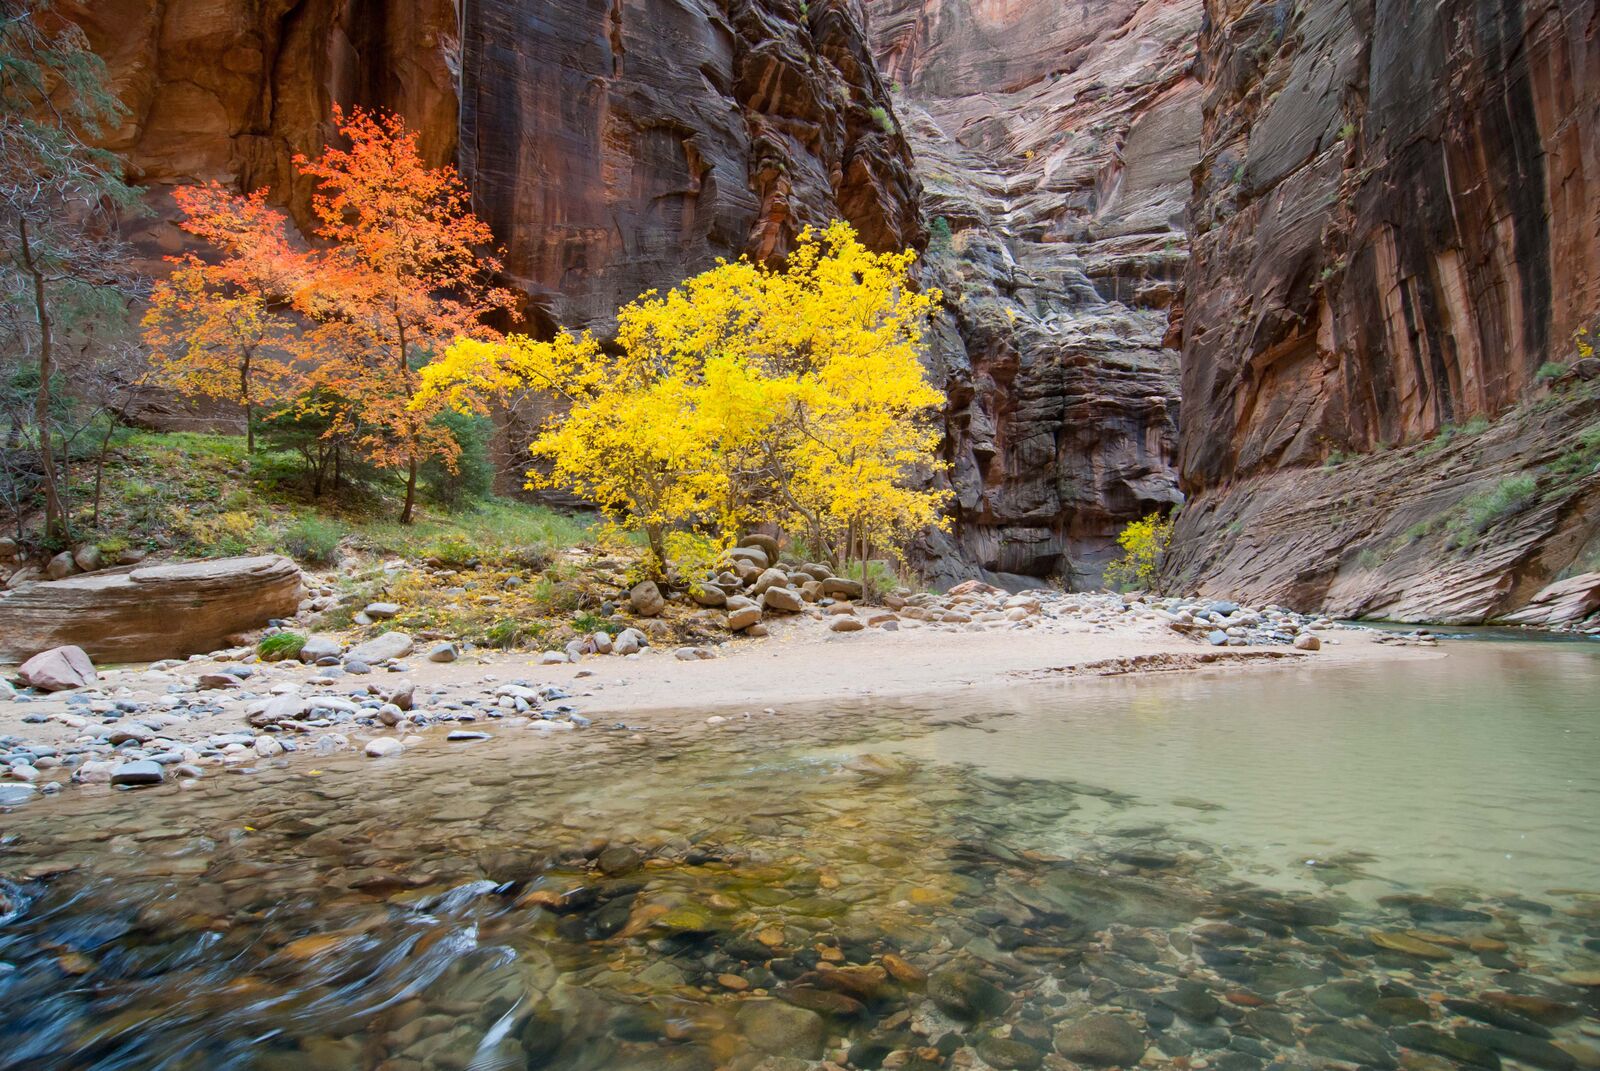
854 888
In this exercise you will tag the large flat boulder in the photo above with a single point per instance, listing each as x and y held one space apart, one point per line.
1566 602
148 612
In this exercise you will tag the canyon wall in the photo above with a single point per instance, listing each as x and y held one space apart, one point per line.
1395 224
614 145
1054 144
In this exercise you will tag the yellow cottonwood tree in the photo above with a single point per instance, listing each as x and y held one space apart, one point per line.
744 394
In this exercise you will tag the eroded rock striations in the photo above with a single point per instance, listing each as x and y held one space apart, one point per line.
149 612
1054 154
614 146
1395 224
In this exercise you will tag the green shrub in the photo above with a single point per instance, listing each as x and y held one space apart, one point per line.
881 117
587 623
473 477
1550 370
1478 513
940 237
279 646
877 578
314 540
1144 542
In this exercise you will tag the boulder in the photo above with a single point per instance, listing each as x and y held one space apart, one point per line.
381 611
837 587
754 555
1563 603
88 558
319 646
137 773
706 595
768 579
381 649
61 566
764 543
58 669
149 612
743 617
845 624
442 652
646 600
786 600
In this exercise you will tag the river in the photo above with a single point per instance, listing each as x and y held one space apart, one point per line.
1229 870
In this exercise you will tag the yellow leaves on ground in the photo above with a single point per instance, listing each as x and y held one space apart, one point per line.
744 395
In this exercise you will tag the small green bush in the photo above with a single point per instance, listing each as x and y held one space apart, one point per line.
279 646
314 540
1478 513
1550 370
587 623
881 117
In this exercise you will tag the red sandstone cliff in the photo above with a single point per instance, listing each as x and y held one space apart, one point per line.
1055 146
614 145
1395 223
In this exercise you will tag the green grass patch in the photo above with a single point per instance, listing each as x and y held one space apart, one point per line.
1477 513
279 646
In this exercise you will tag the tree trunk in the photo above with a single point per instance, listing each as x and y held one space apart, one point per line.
100 469
411 465
656 536
55 515
411 492
249 409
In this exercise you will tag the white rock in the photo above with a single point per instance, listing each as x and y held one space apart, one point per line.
383 746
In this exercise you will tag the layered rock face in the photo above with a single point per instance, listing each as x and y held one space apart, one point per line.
613 146
1054 155
148 612
1396 222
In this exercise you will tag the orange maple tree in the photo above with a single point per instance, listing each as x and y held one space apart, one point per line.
400 274
403 276
223 329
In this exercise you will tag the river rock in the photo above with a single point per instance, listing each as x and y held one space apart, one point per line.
61 566
151 612
319 646
965 994
1338 1041
12 795
137 773
58 670
88 558
383 747
1308 641
1100 1040
646 599
381 611
845 624
781 1029
765 543
1008 1054
442 652
784 599
743 617
390 645
837 587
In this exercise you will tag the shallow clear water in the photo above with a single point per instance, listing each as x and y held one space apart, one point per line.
982 889
1481 766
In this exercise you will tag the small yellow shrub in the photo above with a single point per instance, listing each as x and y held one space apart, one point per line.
1143 544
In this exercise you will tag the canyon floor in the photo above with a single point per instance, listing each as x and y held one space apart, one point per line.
184 721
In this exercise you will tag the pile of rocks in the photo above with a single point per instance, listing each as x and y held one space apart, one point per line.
750 581
1227 624
16 569
326 700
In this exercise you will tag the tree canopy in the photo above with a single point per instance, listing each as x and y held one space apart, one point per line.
744 395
